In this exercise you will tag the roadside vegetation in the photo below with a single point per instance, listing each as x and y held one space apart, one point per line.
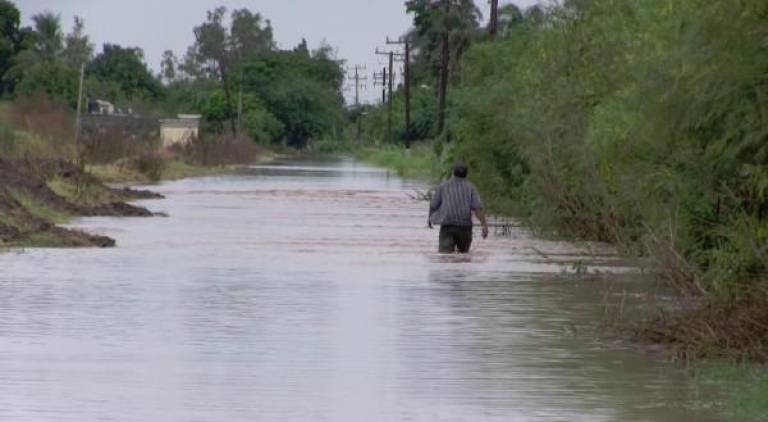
642 124
252 97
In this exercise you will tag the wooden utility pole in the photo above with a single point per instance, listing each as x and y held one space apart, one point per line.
240 106
389 104
406 86
380 78
493 26
390 86
445 59
359 81
78 123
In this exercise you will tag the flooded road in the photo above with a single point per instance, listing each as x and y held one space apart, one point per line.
309 291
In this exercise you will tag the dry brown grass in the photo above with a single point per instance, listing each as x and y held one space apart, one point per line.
731 328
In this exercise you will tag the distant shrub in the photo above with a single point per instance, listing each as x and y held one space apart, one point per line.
51 122
151 164
219 150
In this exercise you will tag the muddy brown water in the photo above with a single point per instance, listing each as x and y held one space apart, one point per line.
309 291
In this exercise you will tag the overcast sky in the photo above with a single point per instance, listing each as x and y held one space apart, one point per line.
353 27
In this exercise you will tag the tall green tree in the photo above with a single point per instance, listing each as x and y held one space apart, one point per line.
38 68
250 34
444 30
9 37
78 48
50 39
459 20
213 47
510 17
121 74
168 66
218 51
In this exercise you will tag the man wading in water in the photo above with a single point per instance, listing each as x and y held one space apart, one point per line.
452 208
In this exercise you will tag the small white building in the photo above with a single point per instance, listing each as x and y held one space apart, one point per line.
179 131
101 107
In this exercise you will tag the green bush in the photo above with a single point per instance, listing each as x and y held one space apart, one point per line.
639 123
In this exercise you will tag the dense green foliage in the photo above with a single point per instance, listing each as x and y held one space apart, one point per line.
642 124
119 74
240 82
233 75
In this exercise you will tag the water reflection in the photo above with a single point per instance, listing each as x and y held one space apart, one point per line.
310 291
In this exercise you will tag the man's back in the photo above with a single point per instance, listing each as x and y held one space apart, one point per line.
453 203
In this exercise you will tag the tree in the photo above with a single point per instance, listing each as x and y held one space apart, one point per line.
302 48
459 19
510 17
444 30
53 79
78 48
124 68
9 36
223 49
303 92
168 66
49 37
191 66
212 46
247 35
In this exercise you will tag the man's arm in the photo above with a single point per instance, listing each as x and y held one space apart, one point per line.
434 204
480 213
478 208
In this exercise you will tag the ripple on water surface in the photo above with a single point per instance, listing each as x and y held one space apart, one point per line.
308 291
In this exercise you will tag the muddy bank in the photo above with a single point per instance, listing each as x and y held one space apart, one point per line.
37 195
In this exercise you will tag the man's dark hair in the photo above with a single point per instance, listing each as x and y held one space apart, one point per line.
460 170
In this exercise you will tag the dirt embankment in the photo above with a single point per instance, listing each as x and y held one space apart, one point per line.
36 195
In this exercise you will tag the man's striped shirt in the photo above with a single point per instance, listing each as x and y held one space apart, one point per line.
453 203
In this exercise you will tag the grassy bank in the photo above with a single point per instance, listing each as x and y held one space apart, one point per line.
744 389
41 187
36 196
419 161
173 169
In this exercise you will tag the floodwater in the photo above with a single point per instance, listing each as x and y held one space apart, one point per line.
309 291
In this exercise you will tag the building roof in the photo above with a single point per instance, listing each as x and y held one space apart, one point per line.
179 123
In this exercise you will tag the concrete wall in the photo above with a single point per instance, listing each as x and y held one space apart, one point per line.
177 136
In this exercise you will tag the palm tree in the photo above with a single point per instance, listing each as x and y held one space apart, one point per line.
444 30
50 40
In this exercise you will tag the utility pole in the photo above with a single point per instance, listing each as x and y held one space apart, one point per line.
406 85
359 81
78 124
390 85
445 60
389 105
493 26
380 78
240 106
384 87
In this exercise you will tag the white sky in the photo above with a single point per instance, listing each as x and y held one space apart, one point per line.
354 27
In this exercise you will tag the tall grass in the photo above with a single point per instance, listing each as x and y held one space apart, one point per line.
419 161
